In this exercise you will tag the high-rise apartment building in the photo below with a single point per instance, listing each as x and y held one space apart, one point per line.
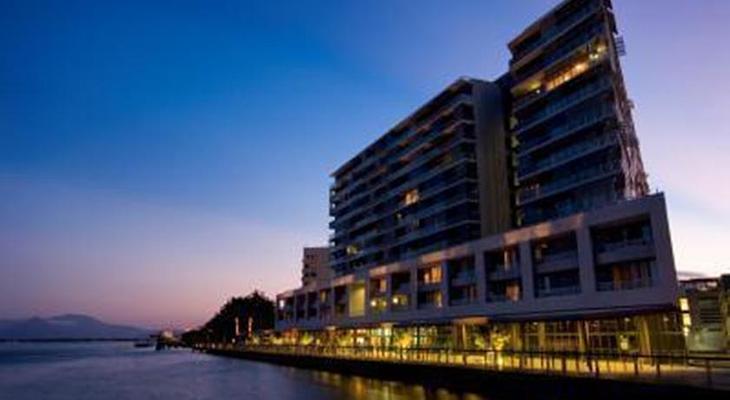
508 214
573 140
435 180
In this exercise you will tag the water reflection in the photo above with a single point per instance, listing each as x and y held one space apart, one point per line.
361 388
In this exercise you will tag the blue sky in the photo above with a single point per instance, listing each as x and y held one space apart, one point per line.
159 157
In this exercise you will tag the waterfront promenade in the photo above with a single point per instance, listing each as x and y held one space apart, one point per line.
699 372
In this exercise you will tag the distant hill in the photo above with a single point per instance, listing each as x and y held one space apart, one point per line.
69 326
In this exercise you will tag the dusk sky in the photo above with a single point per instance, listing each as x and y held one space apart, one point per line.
157 158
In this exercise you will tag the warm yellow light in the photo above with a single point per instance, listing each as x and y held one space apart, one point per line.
412 197
352 250
683 304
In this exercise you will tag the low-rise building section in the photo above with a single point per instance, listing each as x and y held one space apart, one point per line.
315 265
703 303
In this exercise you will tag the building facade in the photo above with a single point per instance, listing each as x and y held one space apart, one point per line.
703 303
510 214
606 274
315 265
435 180
573 138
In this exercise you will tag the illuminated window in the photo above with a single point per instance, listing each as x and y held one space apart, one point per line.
352 250
683 304
432 275
512 292
411 197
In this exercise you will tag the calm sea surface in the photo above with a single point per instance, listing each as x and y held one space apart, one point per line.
80 371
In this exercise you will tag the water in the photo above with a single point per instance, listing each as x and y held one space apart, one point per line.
79 371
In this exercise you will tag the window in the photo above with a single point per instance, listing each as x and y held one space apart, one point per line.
411 197
352 250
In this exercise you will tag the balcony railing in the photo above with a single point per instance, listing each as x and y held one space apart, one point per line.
571 47
555 31
463 301
580 178
575 124
500 298
613 246
563 256
573 152
463 278
559 291
410 182
556 107
502 273
606 286
395 153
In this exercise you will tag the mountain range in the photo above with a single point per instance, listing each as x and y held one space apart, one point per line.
67 327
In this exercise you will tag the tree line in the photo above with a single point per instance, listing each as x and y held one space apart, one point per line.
237 320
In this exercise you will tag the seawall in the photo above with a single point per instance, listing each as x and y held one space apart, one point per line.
511 385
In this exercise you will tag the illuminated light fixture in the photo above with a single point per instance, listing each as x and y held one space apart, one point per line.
395 300
373 303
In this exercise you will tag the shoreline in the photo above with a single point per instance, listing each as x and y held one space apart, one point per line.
69 340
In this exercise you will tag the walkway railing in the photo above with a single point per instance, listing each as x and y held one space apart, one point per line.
703 371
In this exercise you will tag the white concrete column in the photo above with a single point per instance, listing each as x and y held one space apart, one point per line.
586 261
527 271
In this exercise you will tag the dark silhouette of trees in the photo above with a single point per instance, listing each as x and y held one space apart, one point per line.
255 309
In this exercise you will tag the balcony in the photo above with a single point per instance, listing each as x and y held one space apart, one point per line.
562 261
576 124
499 298
553 33
627 250
463 301
578 44
345 189
429 286
404 288
586 176
427 194
556 107
412 182
464 278
607 286
559 291
503 274
562 157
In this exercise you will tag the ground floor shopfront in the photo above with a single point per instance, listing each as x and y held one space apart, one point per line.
645 334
